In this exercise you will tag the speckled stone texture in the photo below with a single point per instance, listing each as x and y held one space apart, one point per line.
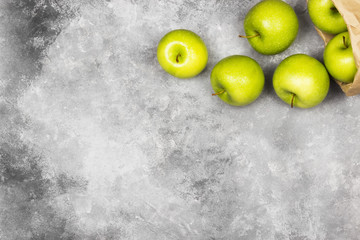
98 142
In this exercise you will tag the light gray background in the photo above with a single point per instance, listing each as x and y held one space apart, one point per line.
98 142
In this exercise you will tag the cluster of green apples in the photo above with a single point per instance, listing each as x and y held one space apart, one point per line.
271 26
338 55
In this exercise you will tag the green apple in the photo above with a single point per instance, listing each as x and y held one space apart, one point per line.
271 26
237 80
326 17
301 81
182 53
339 58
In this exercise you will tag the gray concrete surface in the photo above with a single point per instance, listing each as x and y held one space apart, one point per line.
98 142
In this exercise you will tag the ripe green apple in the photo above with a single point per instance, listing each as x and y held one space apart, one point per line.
301 81
271 26
326 17
339 58
237 80
182 53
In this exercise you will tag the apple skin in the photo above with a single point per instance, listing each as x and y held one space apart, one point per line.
182 53
276 23
339 58
303 76
240 78
326 17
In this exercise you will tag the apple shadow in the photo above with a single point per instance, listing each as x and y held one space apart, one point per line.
205 73
268 87
335 93
305 23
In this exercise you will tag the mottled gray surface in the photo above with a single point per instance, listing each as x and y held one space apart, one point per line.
98 142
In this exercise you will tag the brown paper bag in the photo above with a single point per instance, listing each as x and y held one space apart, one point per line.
350 10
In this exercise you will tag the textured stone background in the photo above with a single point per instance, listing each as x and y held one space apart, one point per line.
98 142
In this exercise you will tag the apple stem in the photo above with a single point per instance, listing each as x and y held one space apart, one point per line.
334 8
252 36
177 57
344 41
218 93
292 100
